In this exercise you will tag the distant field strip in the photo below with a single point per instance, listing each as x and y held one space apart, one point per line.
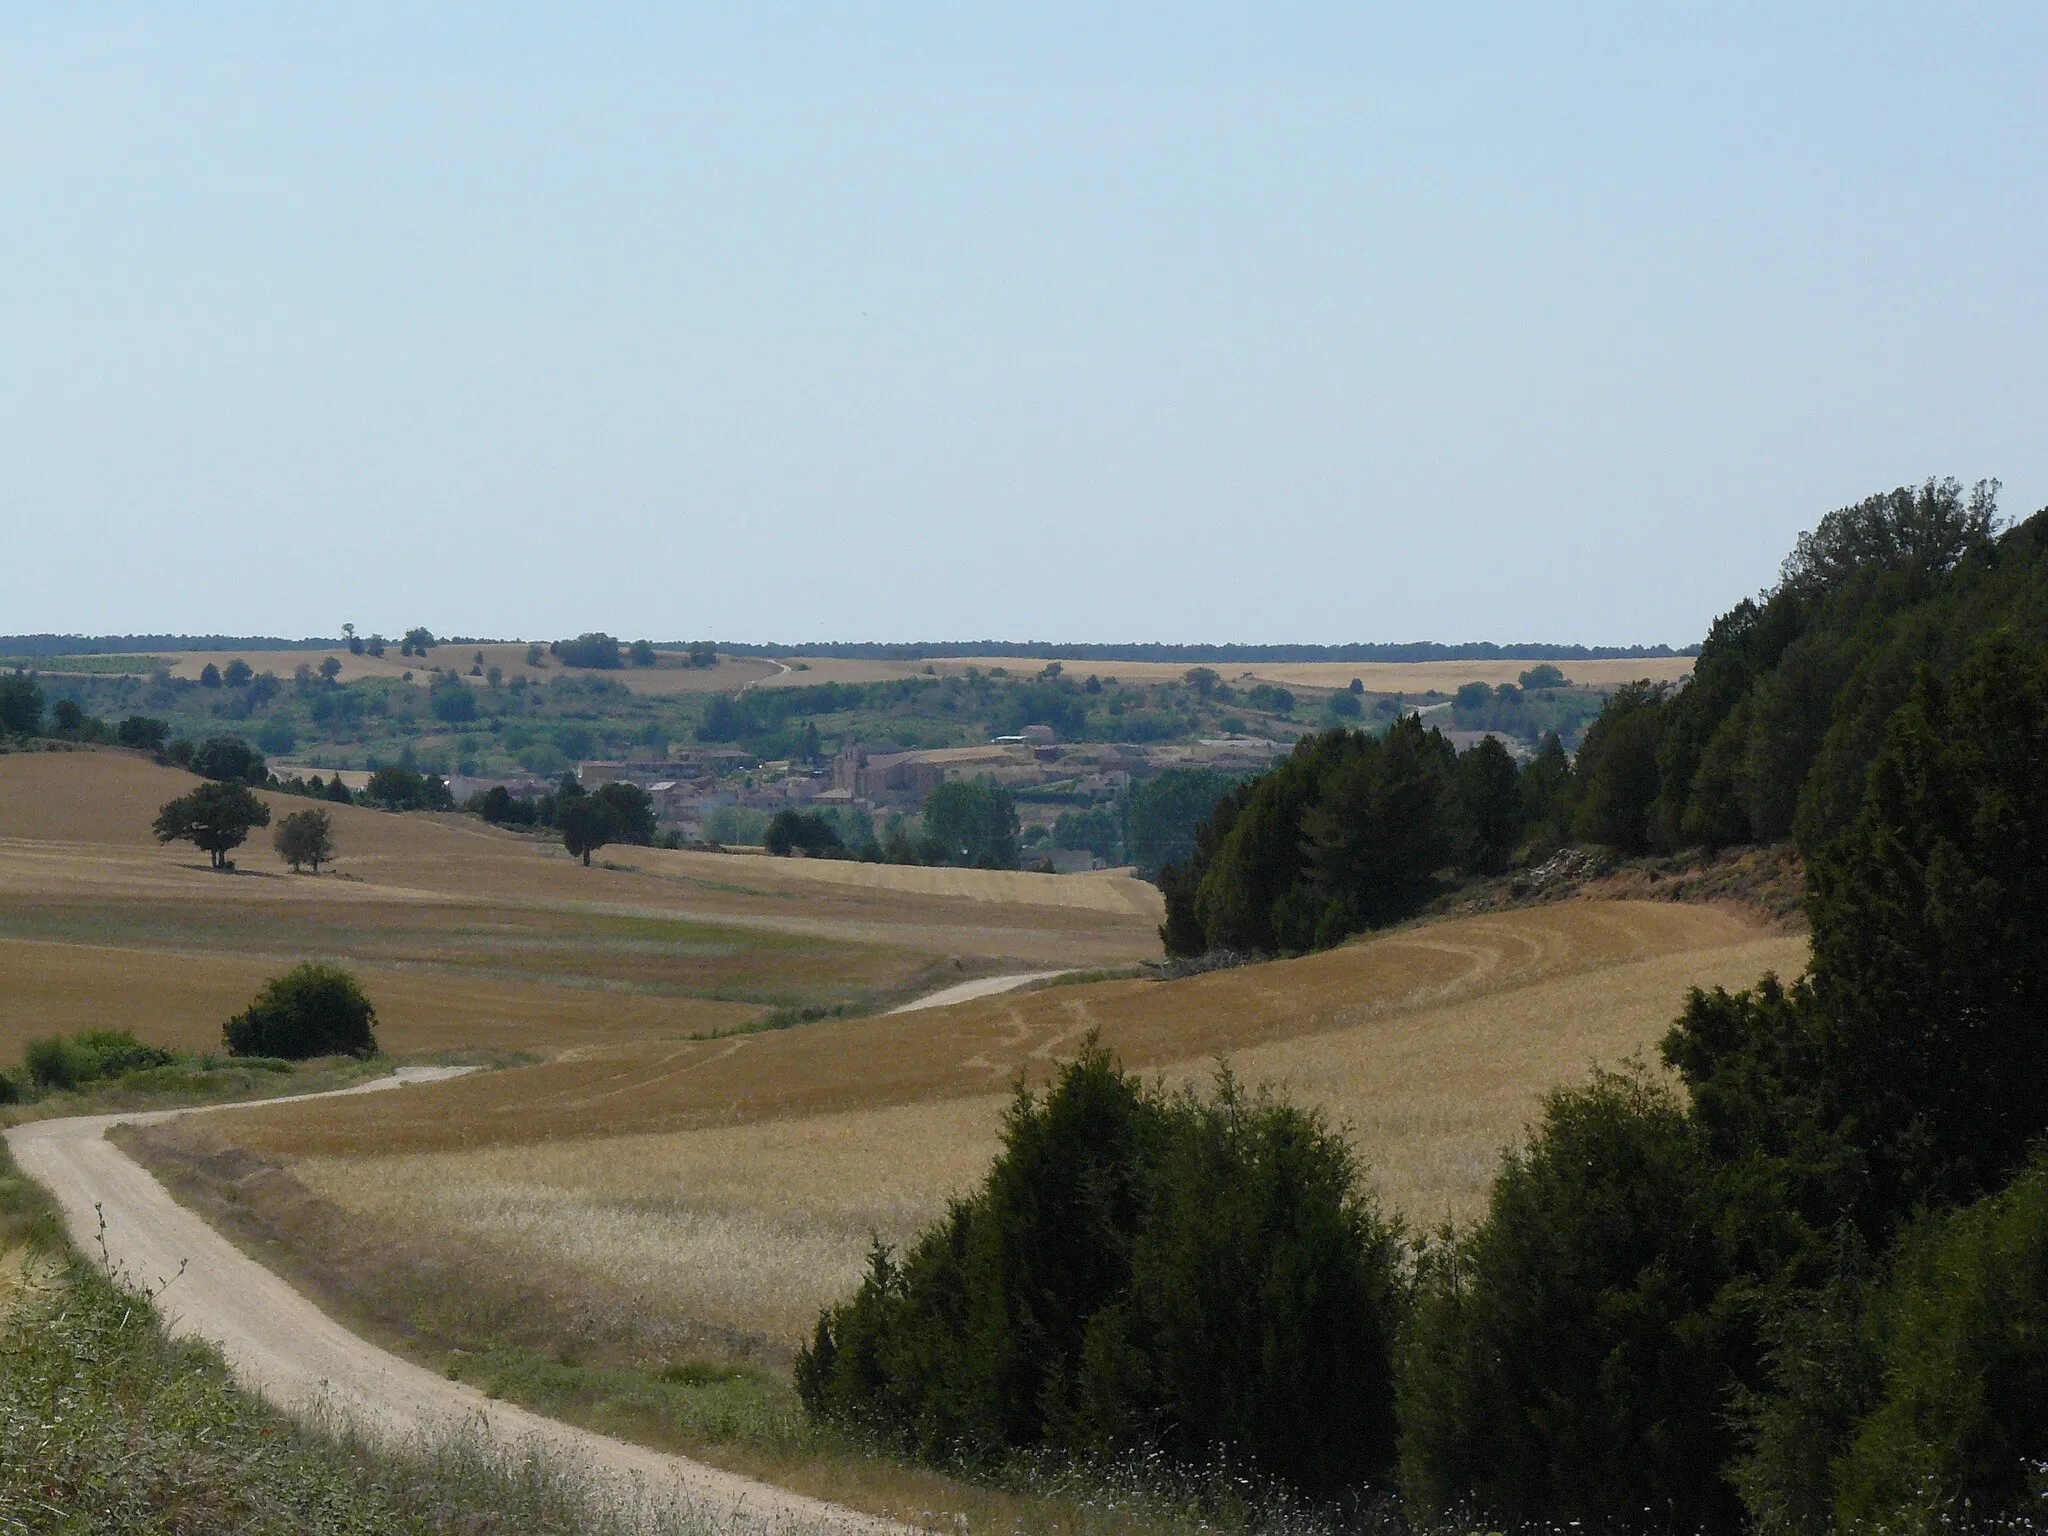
979 1047
101 665
1378 676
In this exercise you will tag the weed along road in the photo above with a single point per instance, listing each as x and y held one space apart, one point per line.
281 1345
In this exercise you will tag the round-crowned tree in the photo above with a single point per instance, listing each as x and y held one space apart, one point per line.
311 1010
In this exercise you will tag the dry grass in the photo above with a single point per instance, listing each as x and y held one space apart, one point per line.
979 1047
1112 893
738 1181
752 1228
472 935
180 1000
1429 1098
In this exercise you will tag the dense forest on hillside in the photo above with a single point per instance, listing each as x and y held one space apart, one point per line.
1771 738
1807 1295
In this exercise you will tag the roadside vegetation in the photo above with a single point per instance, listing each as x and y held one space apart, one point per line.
108 1426
307 1031
95 1071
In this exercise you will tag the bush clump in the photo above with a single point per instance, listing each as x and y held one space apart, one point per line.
311 1010
90 1056
1142 1272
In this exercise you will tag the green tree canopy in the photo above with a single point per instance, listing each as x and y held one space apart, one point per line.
305 837
1191 1276
311 1010
21 705
1164 812
973 823
1617 769
229 759
1571 1360
596 649
801 831
143 733
632 811
586 823
396 788
216 818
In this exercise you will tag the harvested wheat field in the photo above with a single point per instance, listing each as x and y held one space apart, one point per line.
740 1179
470 935
1378 676
670 674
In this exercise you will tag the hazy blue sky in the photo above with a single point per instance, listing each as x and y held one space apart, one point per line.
1288 322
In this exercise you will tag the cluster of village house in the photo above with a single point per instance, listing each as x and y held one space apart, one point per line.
693 782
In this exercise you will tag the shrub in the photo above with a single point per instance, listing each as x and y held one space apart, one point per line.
90 1056
142 733
402 789
1573 1359
1140 1271
21 705
229 759
589 650
1960 1335
632 811
311 1010
790 831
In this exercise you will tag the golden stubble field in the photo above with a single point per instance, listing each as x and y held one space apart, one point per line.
739 1182
736 1179
468 935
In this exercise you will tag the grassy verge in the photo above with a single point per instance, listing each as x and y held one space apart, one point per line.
189 1081
195 1080
607 1362
108 1426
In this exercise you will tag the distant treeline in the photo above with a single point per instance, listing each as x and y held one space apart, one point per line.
875 650
116 645
1045 650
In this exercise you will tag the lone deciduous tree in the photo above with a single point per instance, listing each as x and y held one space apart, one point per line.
586 823
305 837
214 817
21 705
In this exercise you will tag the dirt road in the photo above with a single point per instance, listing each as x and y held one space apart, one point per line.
968 991
281 1345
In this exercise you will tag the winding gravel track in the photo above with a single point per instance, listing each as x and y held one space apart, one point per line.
282 1346
968 991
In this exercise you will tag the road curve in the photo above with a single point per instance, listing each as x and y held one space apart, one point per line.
968 991
282 1346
